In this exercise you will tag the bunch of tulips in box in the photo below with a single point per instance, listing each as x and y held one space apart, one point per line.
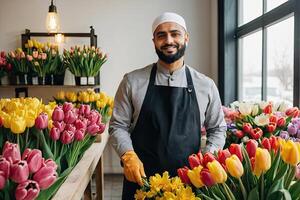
97 100
249 120
62 133
23 176
4 66
269 170
84 62
19 64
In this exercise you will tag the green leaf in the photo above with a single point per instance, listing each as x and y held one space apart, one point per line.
279 194
253 195
295 190
276 186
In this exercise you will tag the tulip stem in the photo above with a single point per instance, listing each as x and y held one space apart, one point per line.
26 138
54 151
262 187
18 140
228 193
243 189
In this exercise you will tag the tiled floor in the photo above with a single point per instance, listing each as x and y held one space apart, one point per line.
113 184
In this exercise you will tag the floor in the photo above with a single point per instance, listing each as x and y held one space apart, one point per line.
113 184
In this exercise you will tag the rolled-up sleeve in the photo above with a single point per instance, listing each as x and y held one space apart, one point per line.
214 122
121 119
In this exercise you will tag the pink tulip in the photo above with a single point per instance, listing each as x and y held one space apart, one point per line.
102 127
93 117
29 57
93 129
79 135
27 190
67 106
34 159
11 152
70 127
59 125
58 114
80 124
35 54
70 117
44 56
67 137
19 171
50 163
12 54
54 133
297 175
5 167
2 180
45 177
41 122
84 109
22 54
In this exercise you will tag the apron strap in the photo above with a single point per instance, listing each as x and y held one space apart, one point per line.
190 85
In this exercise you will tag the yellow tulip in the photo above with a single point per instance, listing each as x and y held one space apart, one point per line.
262 161
97 96
100 104
194 176
109 112
290 152
6 119
50 124
30 43
92 97
17 125
217 171
234 166
30 117
60 95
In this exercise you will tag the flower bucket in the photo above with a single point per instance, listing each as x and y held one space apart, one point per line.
29 79
12 79
41 80
58 79
81 80
21 79
48 80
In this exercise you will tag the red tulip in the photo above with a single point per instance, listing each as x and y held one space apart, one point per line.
247 127
79 135
2 180
222 155
182 173
67 137
206 177
11 152
200 156
9 67
5 167
273 118
84 109
256 133
19 171
271 127
194 161
266 143
237 150
34 159
27 190
208 157
58 114
239 133
45 177
70 117
274 143
281 122
251 147
292 112
60 125
67 107
41 122
268 109
54 133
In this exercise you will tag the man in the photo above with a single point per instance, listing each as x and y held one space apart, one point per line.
160 109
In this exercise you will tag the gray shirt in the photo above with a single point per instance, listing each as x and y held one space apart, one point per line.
131 93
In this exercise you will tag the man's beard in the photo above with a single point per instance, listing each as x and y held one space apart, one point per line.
171 58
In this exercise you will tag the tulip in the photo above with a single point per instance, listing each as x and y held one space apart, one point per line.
247 127
60 95
194 161
93 117
182 173
292 129
80 124
206 177
67 137
256 133
93 129
5 167
70 127
297 173
33 158
234 166
223 155
273 118
255 110
44 56
79 135
41 122
266 143
67 107
290 152
271 127
49 163
262 161
268 109
274 143
200 156
194 176
101 128
18 125
59 125
54 133
11 152
292 112
2 180
58 114
1 122
19 171
27 190
84 109
251 147
70 117
45 177
245 108
237 150
239 134
217 172
208 157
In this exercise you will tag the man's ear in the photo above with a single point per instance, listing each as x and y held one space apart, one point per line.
187 39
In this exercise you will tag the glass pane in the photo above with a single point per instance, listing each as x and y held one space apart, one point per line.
249 10
280 56
274 3
250 67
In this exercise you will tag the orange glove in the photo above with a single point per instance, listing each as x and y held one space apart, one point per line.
133 167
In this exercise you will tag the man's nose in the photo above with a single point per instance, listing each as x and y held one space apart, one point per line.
169 39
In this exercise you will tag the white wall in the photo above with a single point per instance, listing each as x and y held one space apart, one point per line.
123 28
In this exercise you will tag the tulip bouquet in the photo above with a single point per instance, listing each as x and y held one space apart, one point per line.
266 171
256 120
292 131
163 187
4 66
97 100
18 60
24 176
84 62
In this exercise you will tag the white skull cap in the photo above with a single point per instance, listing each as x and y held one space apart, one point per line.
168 17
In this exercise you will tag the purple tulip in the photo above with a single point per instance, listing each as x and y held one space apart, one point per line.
11 152
19 171
284 135
292 129
58 114
27 190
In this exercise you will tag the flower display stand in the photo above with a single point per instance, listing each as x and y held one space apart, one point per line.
78 182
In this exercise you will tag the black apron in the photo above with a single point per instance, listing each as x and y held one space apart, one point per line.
167 130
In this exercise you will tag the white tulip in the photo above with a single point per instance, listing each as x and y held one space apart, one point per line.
245 108
261 120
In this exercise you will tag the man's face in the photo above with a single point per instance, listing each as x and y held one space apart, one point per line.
170 41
